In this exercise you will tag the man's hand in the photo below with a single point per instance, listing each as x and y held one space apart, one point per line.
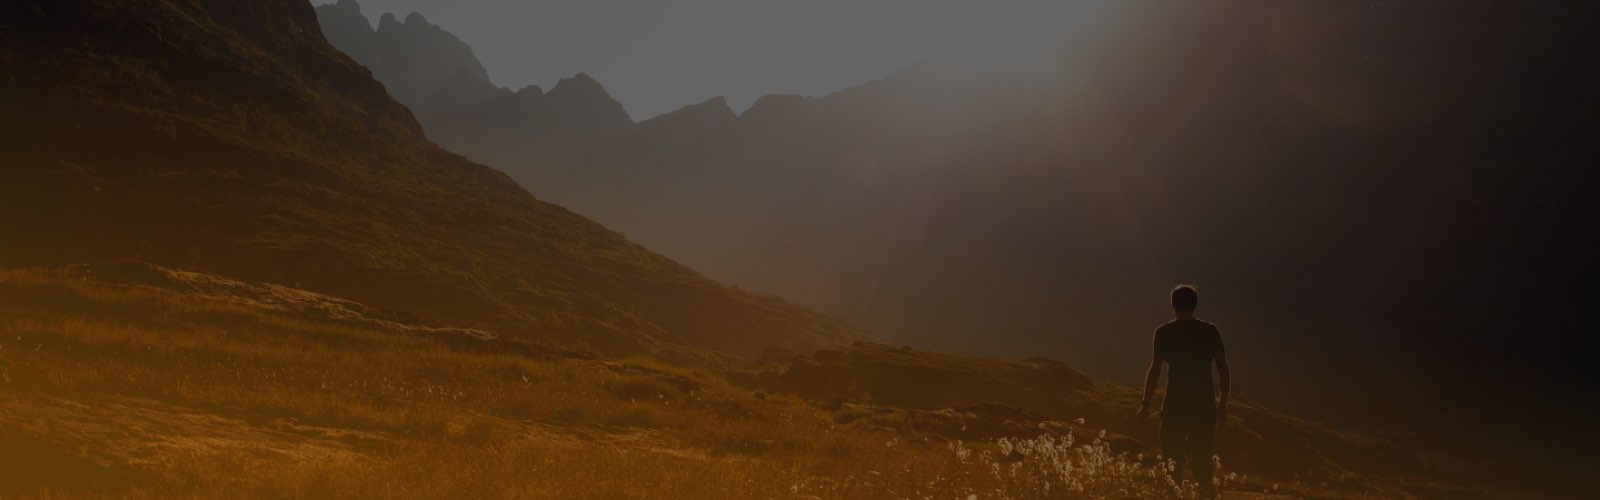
1222 415
1150 378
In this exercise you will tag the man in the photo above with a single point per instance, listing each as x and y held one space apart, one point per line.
1190 412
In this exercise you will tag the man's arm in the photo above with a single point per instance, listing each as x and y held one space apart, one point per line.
1226 376
1151 378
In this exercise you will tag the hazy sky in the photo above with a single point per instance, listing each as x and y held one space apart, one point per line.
658 55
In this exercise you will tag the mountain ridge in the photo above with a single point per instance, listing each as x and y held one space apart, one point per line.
1249 148
323 181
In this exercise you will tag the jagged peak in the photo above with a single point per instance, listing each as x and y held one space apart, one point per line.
414 21
580 83
338 18
388 21
344 7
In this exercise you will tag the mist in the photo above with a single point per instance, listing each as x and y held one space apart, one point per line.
656 56
490 249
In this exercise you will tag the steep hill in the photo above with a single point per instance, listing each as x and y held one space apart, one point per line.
231 138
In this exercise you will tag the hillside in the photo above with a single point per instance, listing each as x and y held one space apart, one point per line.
1347 181
230 138
236 267
137 381
964 397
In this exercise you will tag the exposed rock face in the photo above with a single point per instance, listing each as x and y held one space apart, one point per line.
412 58
436 74
347 28
417 56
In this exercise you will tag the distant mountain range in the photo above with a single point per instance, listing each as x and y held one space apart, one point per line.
1336 177
229 138
1377 224
435 74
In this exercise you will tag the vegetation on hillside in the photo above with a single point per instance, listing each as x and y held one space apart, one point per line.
131 380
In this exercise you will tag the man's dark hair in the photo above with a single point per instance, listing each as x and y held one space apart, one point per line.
1185 297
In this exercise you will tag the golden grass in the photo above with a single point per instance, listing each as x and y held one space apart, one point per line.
430 419
127 390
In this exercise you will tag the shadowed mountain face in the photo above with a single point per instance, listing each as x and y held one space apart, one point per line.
413 58
1365 194
437 76
229 137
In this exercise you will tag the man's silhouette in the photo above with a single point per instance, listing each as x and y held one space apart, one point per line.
1190 412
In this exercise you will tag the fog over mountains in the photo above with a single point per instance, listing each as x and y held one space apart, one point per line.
656 56
1334 179
244 256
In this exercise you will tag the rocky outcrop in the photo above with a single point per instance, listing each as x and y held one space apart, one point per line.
413 58
437 75
347 28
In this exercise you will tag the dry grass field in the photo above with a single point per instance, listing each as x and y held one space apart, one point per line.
270 391
127 380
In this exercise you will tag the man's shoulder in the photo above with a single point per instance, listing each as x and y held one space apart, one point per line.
1188 325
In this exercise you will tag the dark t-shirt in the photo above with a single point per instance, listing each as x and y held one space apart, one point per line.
1189 346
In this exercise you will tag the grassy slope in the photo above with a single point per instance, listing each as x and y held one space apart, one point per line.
974 398
219 137
170 383
229 137
129 380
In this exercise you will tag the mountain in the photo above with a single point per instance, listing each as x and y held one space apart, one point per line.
236 265
437 76
413 58
525 126
231 138
1344 180
133 380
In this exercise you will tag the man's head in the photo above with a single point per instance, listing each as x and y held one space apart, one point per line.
1184 299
